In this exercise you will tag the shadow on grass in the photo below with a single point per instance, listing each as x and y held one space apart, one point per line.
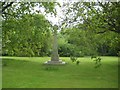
6 62
51 68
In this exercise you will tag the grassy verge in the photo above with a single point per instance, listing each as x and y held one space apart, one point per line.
25 72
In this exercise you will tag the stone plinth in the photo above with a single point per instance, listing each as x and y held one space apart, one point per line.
55 62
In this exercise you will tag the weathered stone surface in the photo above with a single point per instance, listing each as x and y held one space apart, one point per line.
55 62
55 56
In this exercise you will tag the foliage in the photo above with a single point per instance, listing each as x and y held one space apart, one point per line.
89 29
63 46
97 21
98 17
73 59
77 62
19 9
28 36
97 62
82 43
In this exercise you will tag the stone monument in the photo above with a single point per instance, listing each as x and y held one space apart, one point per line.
55 57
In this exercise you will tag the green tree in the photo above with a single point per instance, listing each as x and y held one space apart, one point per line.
19 9
28 36
25 32
96 18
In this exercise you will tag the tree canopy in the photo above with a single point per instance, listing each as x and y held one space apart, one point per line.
86 29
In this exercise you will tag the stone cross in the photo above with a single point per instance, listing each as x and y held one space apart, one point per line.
55 57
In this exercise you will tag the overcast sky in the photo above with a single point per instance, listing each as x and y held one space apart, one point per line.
50 17
60 14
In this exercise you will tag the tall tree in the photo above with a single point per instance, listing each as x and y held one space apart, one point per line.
28 36
97 18
94 14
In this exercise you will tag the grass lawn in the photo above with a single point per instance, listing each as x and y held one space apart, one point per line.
25 72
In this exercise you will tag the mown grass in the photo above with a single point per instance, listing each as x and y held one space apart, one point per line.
25 72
